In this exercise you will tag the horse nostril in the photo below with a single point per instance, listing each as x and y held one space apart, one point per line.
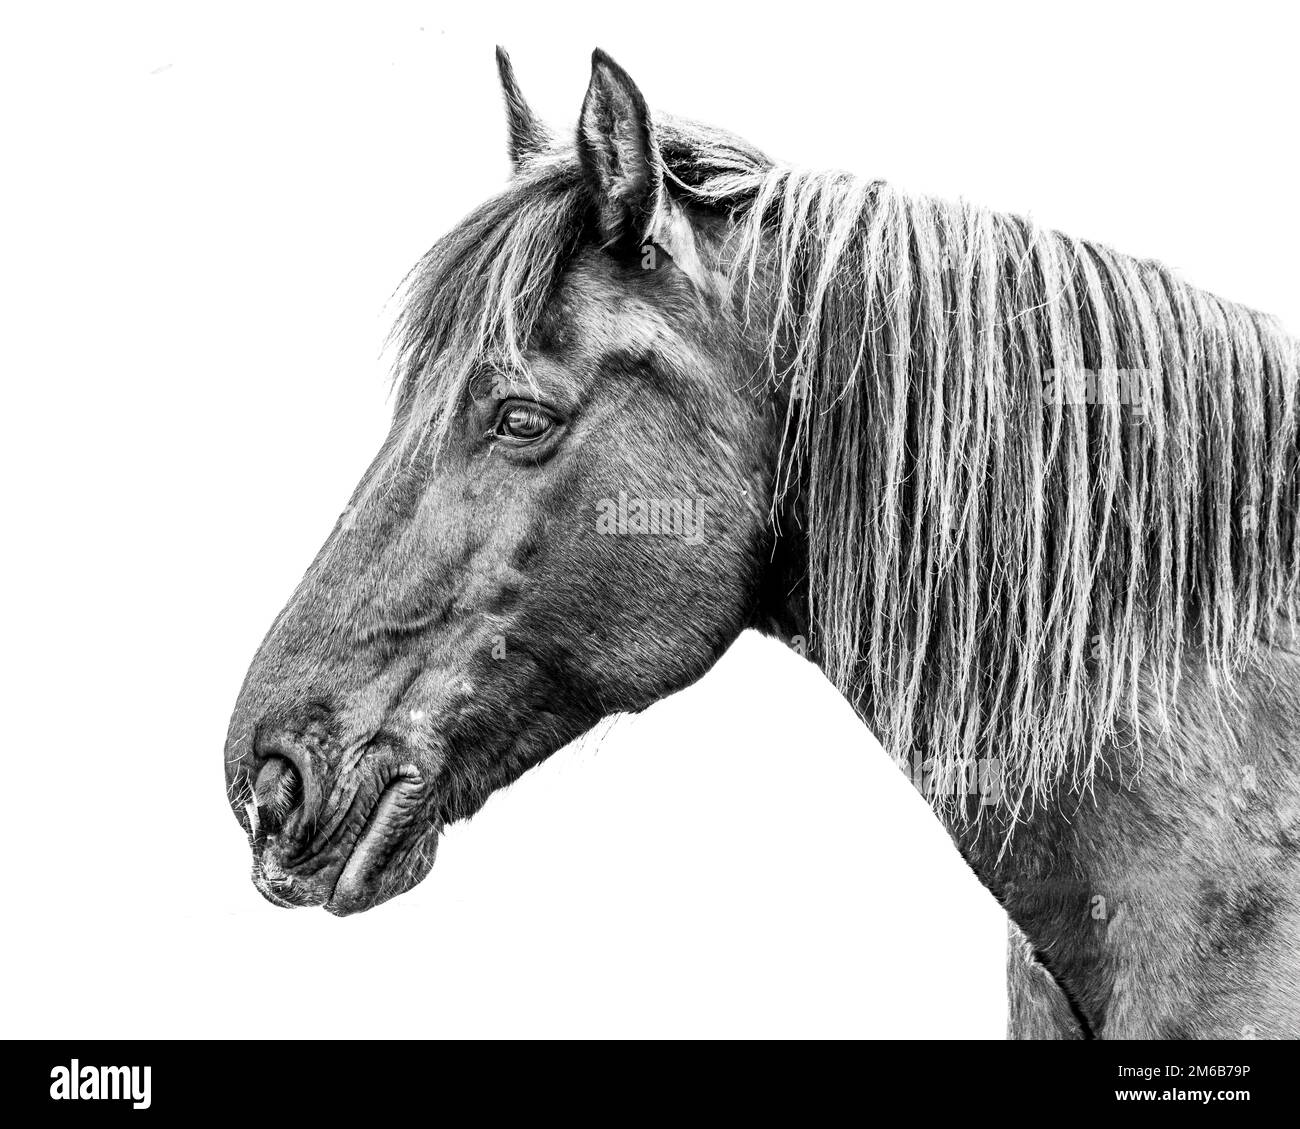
277 791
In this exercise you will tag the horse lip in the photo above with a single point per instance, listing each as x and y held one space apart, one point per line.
393 813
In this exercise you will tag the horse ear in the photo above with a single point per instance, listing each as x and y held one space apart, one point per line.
527 135
619 154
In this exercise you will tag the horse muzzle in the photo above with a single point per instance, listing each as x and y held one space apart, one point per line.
368 838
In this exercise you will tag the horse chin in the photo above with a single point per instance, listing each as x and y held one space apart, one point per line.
393 853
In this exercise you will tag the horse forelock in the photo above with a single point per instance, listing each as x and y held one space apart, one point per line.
475 300
1033 473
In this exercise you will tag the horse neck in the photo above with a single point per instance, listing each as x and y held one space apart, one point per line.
1146 886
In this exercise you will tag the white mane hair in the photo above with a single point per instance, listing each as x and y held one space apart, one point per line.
1034 475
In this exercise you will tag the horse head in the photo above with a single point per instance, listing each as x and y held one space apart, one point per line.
571 516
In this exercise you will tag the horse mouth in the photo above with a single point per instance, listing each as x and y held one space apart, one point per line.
390 854
369 875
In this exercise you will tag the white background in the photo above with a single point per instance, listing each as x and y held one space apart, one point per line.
203 218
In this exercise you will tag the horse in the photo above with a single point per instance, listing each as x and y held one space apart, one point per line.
1030 504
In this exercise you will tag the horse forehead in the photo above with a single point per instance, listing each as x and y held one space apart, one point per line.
599 315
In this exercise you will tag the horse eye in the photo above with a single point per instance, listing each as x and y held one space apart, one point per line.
524 421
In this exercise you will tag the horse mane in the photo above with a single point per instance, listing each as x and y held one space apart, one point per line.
1033 474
